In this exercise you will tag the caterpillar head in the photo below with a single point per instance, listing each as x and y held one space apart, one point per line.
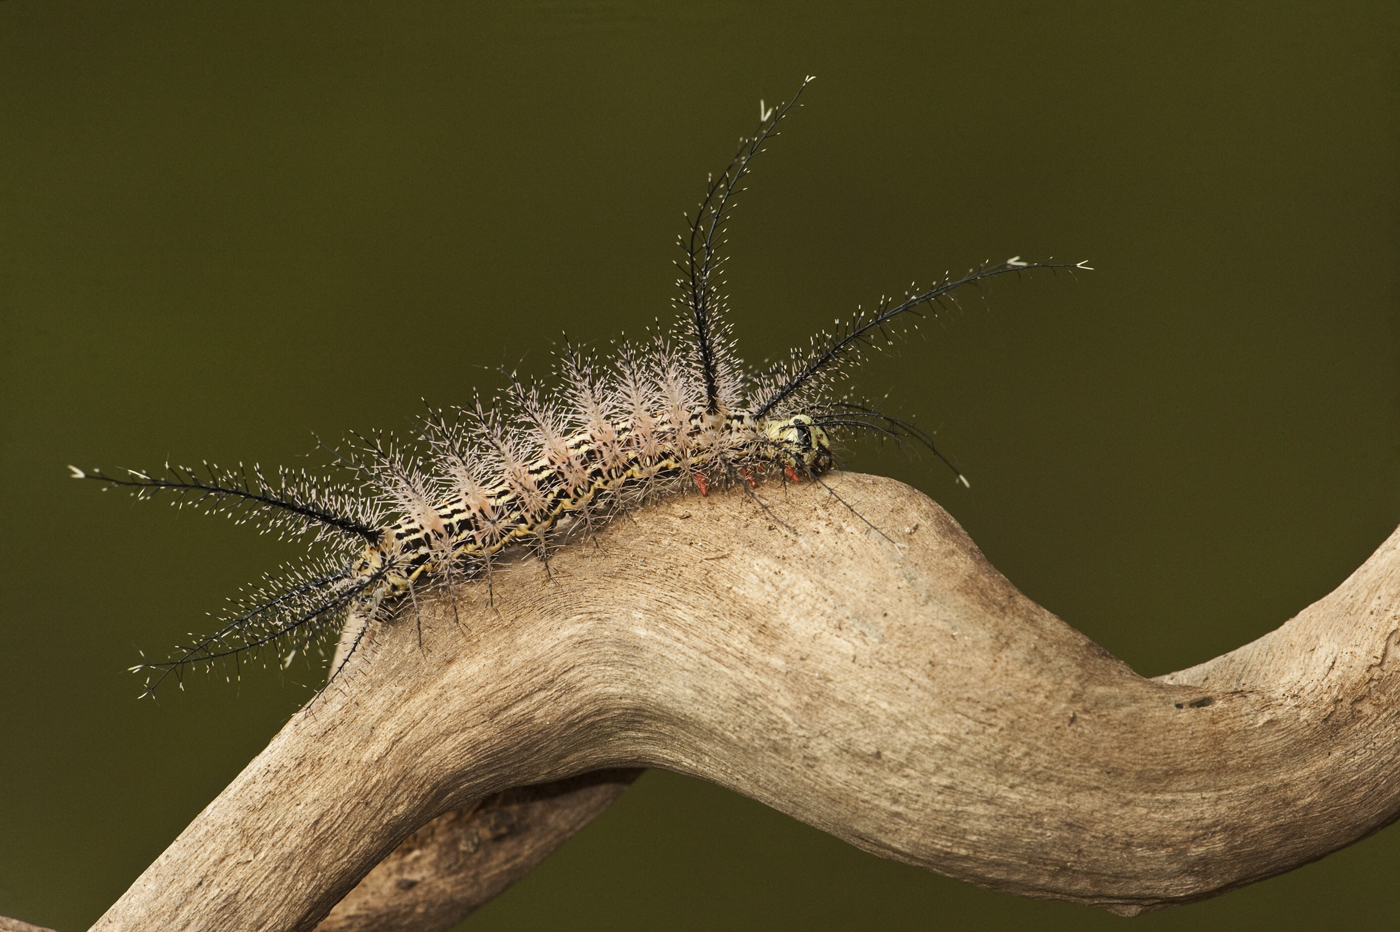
800 445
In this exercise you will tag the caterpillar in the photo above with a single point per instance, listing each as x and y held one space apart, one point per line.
539 466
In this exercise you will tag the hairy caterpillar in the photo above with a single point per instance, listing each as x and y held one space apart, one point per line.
678 412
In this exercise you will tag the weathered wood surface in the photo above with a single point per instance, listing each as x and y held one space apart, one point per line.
895 691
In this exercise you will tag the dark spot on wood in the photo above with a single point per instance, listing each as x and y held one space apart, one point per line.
498 823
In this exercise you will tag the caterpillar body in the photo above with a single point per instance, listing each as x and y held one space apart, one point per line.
538 466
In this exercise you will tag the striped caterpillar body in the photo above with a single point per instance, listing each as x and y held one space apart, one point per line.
538 466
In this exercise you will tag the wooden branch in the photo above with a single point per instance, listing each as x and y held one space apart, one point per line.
459 861
894 690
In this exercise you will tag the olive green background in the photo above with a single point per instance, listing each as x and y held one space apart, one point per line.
224 227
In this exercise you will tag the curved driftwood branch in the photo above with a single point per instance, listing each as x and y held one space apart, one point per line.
895 691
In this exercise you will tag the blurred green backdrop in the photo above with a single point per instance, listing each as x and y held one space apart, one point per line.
225 226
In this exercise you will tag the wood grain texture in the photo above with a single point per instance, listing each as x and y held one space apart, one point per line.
894 690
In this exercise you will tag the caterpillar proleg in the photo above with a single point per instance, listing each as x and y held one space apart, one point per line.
541 465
